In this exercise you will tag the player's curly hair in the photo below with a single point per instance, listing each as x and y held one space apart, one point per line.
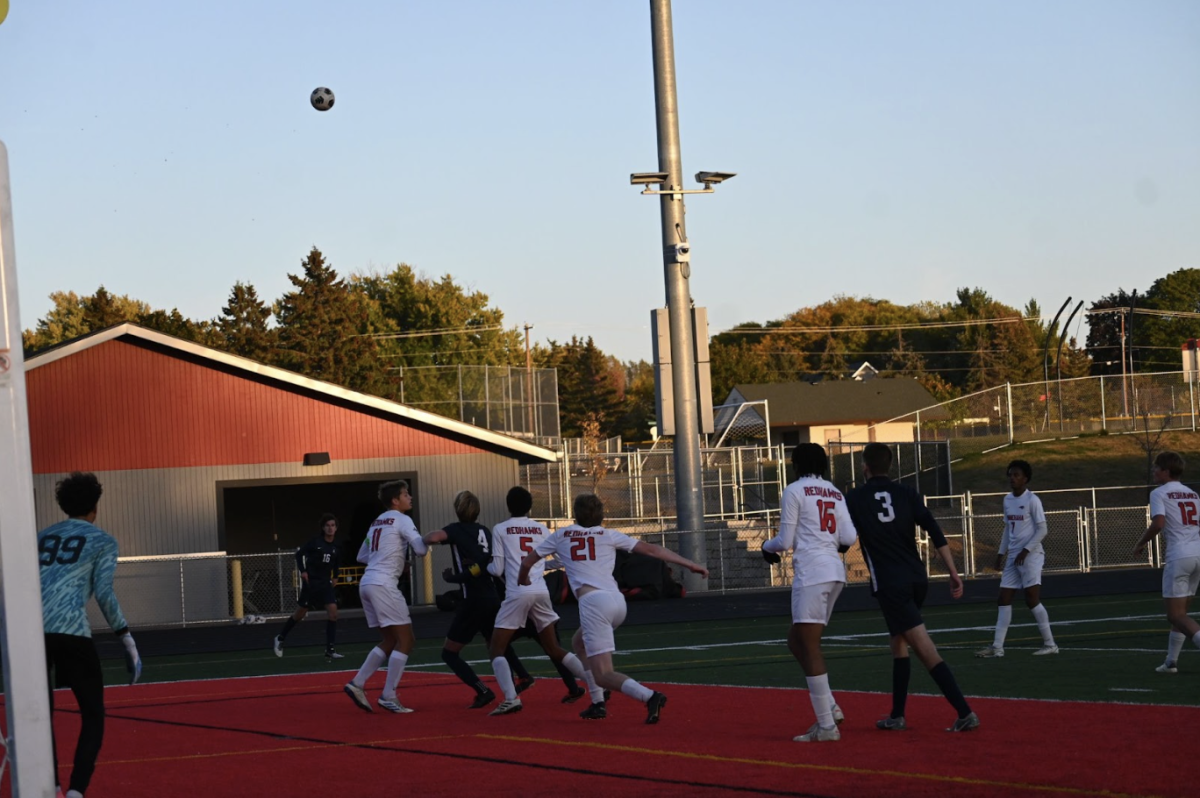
878 458
390 490
519 501
466 506
326 518
1171 462
1023 466
78 494
810 459
589 510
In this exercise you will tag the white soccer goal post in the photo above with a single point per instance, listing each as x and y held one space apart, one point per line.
26 702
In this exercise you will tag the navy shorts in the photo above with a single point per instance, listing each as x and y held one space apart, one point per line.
316 595
901 606
474 616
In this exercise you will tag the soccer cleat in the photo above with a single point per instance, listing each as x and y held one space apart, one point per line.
597 711
393 705
74 794
818 735
525 684
838 715
1167 667
507 707
278 646
990 651
358 696
482 700
654 707
891 724
971 721
1044 650
331 654
574 695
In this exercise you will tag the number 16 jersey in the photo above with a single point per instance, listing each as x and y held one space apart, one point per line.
1180 505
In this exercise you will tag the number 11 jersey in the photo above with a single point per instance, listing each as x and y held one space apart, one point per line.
1179 504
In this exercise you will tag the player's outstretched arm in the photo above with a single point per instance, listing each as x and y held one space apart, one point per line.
530 559
433 538
956 582
496 566
1156 525
666 555
133 662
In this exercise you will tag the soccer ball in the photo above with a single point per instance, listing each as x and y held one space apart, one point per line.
321 99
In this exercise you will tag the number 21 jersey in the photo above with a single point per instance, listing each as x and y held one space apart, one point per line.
589 554
1180 505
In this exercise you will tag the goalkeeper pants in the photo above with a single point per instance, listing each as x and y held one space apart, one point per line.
72 661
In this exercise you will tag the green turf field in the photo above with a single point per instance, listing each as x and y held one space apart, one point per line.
1110 647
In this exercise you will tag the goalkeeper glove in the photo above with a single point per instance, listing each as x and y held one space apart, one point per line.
449 575
771 557
133 663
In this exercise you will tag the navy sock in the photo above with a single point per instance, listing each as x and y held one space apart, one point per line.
567 677
945 680
900 673
287 627
330 633
462 670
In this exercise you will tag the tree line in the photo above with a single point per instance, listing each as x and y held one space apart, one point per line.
364 331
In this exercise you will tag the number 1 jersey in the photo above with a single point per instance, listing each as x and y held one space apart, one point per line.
1179 504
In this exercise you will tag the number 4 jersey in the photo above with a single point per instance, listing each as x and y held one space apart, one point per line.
1179 504
813 522
77 560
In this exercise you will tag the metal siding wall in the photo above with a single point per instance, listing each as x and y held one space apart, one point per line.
174 511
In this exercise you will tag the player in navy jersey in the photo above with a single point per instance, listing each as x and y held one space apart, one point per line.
886 515
471 550
77 560
317 562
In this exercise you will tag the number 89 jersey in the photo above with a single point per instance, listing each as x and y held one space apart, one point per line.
588 554
77 560
1181 506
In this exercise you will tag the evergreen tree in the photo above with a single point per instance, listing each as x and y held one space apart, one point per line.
587 388
73 315
242 326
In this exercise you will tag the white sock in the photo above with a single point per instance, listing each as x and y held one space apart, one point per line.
822 699
594 690
1043 621
396 664
1003 619
1175 642
1196 639
574 665
636 690
503 672
375 658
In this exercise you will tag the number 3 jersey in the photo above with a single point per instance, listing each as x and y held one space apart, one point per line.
511 541
588 554
813 522
77 560
1179 504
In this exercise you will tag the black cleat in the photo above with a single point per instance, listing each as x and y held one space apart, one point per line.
574 695
482 700
597 711
525 684
654 707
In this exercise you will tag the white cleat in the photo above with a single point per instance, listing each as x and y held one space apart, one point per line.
990 651
1044 650
1167 667
393 705
818 735
358 696
507 707
278 646
838 715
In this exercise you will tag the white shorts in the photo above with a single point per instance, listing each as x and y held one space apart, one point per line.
1027 574
1181 577
384 606
814 603
521 607
600 612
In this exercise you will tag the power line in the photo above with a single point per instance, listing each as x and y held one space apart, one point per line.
881 327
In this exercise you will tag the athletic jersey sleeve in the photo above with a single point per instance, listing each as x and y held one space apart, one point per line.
925 519
103 570
496 566
789 521
846 533
1038 516
415 541
364 551
548 546
1157 503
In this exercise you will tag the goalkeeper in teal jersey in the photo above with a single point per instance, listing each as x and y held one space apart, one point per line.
77 561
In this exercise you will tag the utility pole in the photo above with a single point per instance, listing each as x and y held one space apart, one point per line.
1124 393
529 381
689 497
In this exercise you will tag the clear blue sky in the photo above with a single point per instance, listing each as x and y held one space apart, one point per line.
892 149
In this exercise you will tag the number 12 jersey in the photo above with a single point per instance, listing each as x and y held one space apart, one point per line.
1180 505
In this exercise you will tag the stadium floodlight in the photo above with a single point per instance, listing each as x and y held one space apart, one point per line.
647 178
709 179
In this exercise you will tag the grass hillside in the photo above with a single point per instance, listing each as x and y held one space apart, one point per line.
1099 461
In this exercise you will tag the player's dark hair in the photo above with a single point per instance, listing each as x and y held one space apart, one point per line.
1023 466
326 518
390 490
810 459
519 501
78 494
466 506
878 458
589 510
1171 462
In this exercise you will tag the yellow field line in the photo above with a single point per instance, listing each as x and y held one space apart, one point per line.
733 760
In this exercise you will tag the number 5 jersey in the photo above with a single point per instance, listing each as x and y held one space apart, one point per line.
77 560
1179 504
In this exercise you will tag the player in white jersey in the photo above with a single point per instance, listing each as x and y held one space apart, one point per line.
385 553
588 552
1175 511
815 525
1021 557
511 541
